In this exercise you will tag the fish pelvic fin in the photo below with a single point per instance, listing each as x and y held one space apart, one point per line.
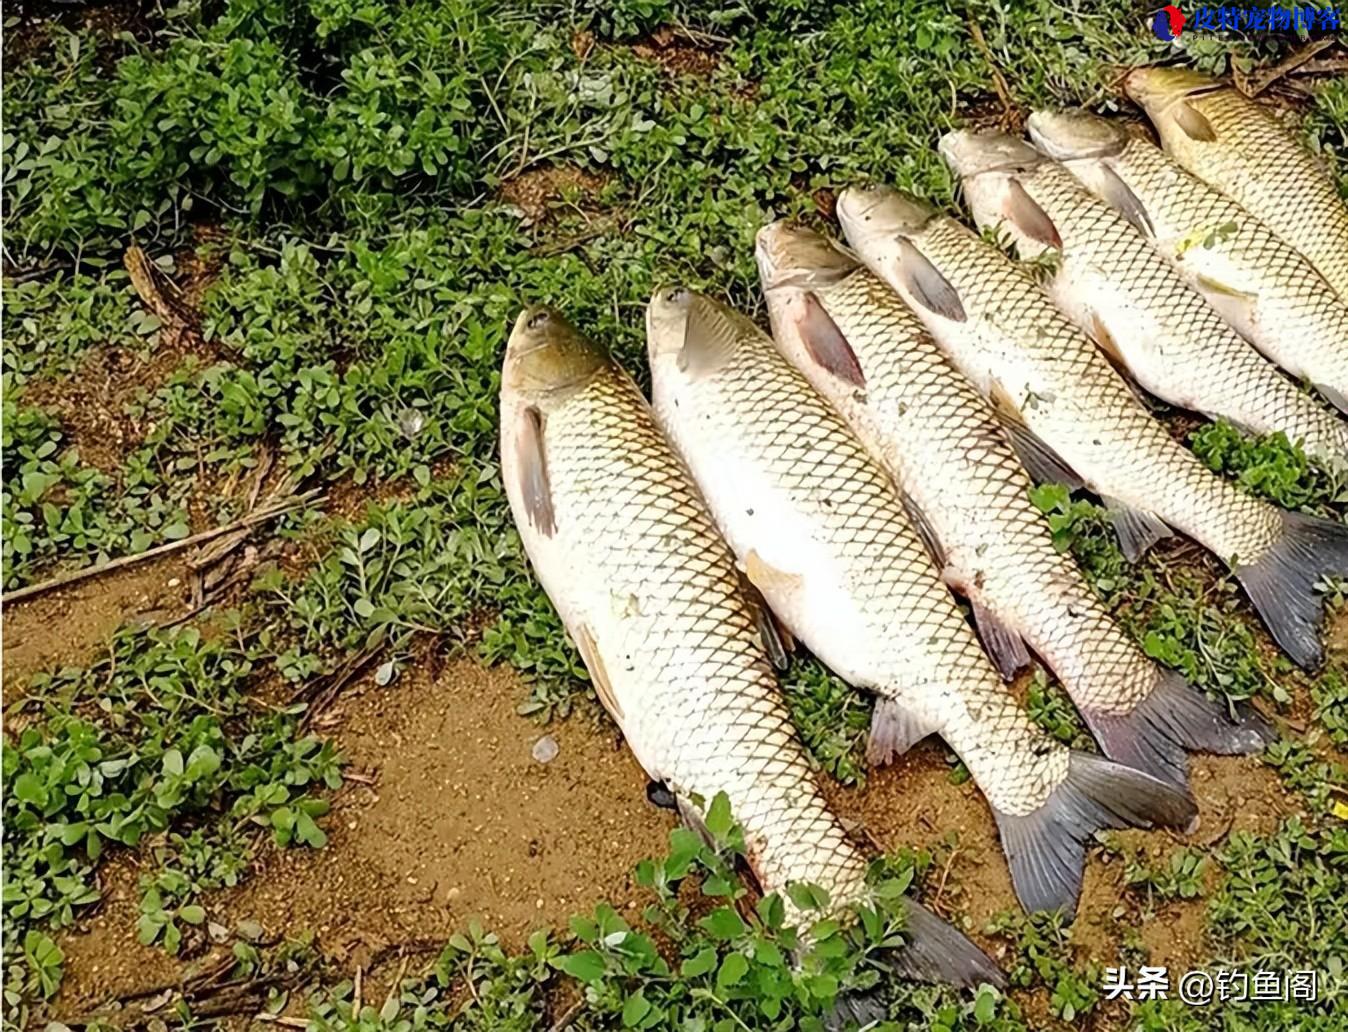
1281 583
1175 719
1137 531
1046 849
1003 644
894 730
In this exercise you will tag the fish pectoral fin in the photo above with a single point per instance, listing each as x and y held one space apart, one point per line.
1119 196
1137 530
711 335
1024 212
594 665
826 343
1044 465
1004 646
532 464
927 284
767 578
924 529
894 730
1192 122
777 640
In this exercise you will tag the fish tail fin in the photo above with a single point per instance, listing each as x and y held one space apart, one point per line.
1281 584
1046 849
1174 719
934 951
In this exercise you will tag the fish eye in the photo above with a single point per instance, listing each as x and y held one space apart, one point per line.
537 320
676 295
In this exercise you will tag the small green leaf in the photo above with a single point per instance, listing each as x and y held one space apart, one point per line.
586 966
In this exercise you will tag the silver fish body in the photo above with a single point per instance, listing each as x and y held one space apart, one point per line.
873 360
1049 380
818 527
1259 283
1110 281
1238 147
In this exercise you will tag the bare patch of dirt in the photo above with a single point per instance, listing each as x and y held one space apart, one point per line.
452 819
676 53
66 626
534 191
91 402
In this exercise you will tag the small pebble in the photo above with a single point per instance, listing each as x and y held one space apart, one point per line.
546 749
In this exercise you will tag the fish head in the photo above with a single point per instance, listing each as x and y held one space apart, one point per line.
1075 135
970 154
689 336
991 167
546 356
791 256
1155 89
872 214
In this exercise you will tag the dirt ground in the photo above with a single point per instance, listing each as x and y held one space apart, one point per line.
446 817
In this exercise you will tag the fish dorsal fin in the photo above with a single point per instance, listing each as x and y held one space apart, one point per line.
826 343
1119 195
533 472
927 284
767 578
594 664
710 338
1192 122
924 529
1024 212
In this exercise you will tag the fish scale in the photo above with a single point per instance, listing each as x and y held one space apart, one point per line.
1111 282
1253 160
636 559
949 455
1260 284
819 529
1018 343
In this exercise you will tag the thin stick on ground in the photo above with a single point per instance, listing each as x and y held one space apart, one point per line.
74 576
1011 116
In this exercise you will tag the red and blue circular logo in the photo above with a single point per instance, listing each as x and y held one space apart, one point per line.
1168 23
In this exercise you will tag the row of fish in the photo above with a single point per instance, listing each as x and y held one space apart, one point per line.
836 481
